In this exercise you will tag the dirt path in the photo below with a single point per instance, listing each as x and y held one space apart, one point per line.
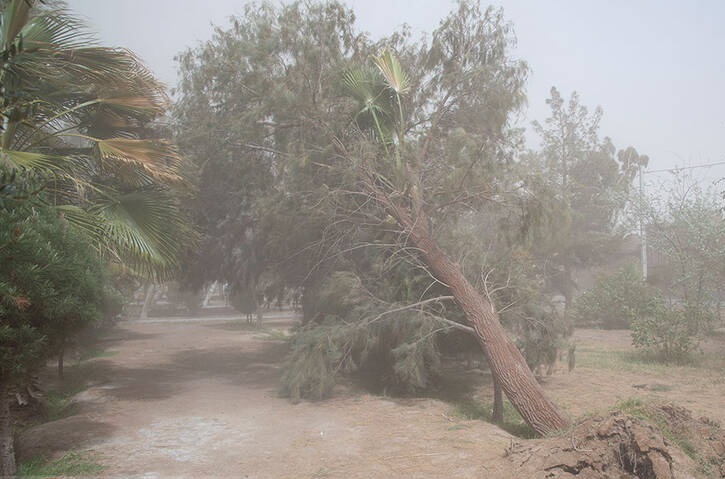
198 399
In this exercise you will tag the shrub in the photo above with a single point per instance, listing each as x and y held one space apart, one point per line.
615 301
671 333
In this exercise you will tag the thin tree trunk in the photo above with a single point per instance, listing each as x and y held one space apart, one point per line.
568 288
148 299
61 354
209 293
497 414
7 450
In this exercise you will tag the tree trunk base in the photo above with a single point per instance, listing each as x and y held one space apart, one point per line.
7 449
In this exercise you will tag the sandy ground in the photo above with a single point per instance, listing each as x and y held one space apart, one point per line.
198 398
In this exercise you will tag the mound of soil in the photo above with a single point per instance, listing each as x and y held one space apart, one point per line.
657 442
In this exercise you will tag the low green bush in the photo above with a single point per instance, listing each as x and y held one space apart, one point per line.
671 332
615 301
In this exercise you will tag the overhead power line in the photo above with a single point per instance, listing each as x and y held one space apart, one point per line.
684 168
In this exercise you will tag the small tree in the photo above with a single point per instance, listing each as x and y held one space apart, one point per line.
685 231
51 284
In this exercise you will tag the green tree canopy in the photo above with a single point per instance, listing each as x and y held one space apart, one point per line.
585 183
357 157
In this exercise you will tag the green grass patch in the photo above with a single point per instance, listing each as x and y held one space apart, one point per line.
633 406
57 405
87 354
471 409
71 464
459 427
512 422
273 335
660 387
626 361
638 361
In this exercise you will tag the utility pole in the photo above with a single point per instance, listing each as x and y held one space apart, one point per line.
642 228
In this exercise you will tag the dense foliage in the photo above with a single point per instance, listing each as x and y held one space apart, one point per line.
616 301
78 135
51 286
280 114
685 231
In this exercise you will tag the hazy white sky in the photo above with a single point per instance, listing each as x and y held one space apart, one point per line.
656 67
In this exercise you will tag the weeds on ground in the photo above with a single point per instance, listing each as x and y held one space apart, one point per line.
631 361
512 422
657 387
71 464
58 405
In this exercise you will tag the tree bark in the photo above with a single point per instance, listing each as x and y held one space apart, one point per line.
507 364
7 450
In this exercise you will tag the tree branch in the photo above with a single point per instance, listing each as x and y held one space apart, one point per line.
412 306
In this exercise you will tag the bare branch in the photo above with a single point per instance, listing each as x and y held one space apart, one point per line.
453 324
413 306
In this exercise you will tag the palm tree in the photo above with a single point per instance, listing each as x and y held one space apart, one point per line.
75 135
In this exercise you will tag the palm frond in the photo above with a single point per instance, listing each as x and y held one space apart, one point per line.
363 84
57 29
75 121
134 104
158 158
145 229
39 162
367 87
14 17
394 75
84 221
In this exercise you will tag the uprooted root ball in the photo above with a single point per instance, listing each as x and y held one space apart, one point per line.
654 442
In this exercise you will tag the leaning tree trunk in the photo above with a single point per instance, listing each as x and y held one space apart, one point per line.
507 364
7 451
